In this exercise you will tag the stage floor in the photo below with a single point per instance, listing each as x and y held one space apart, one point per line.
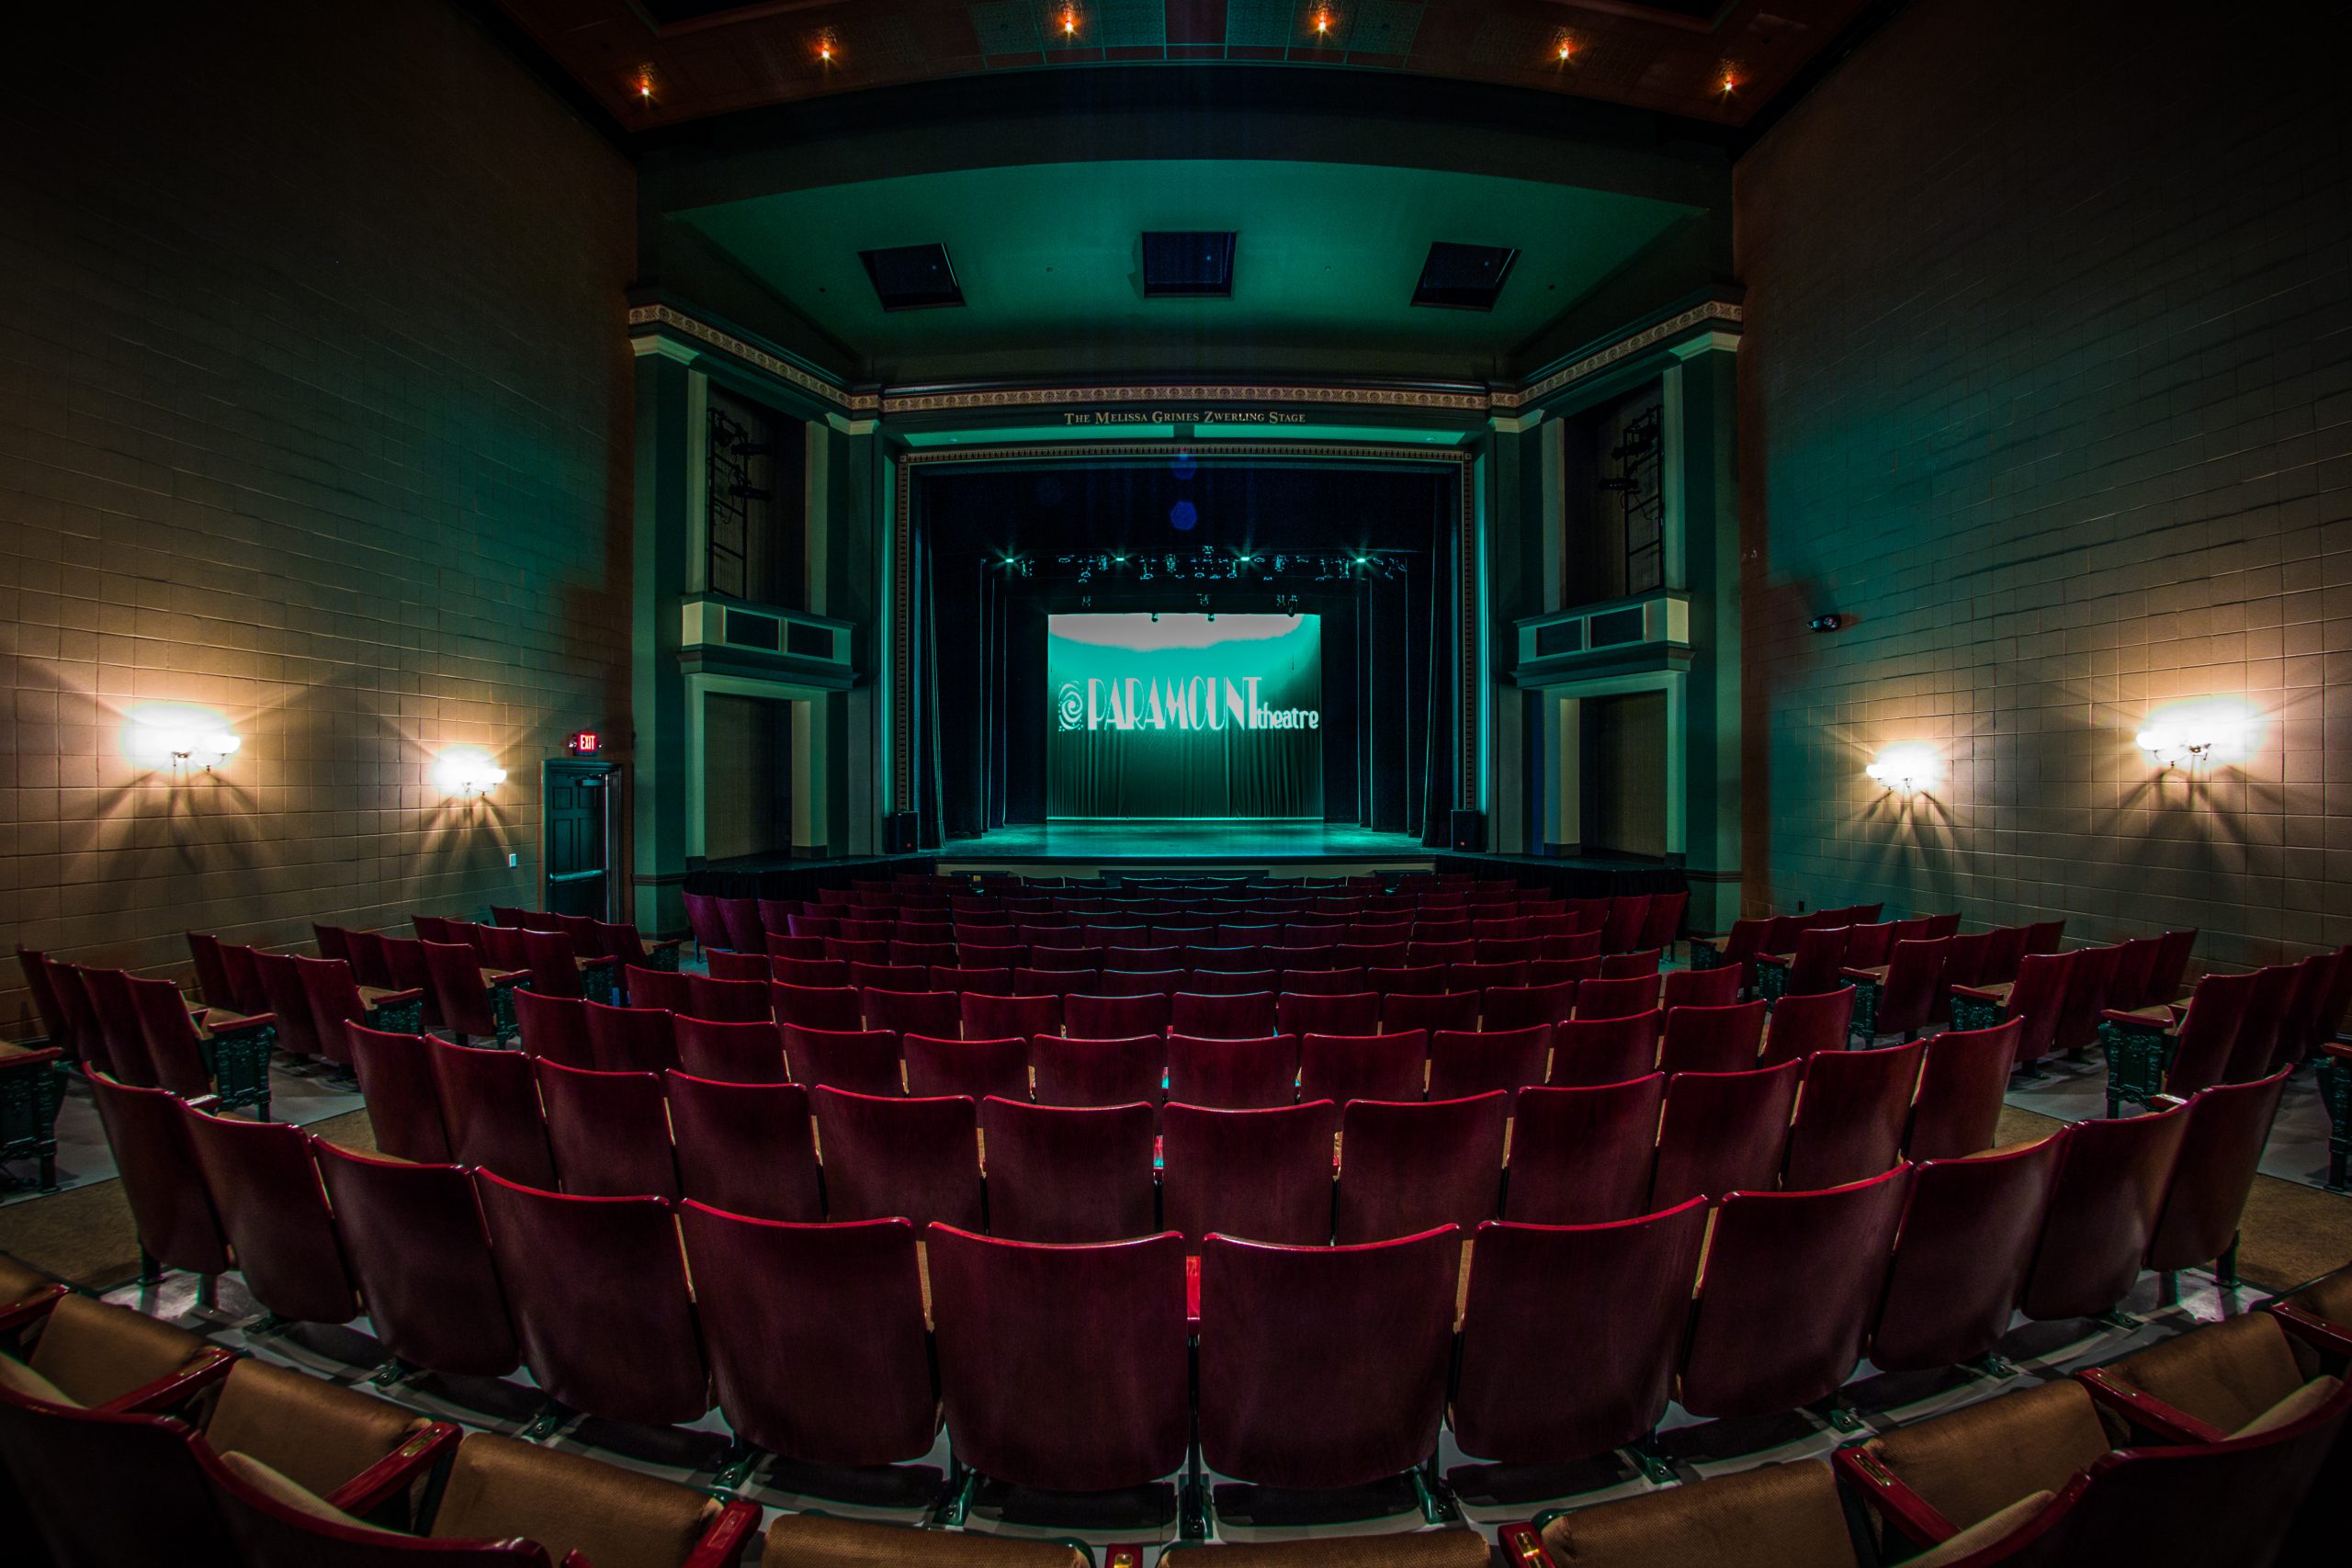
1192 841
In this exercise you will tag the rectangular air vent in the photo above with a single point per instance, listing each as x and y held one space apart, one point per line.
751 631
1187 265
1463 277
1612 627
912 278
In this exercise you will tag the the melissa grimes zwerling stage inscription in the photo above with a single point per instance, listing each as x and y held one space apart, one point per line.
1184 715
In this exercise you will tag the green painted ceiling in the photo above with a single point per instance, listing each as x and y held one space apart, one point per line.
1049 258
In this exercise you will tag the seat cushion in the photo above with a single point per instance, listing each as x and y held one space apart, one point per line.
618 1518
97 1352
1776 1515
287 1494
2225 1374
316 1434
1975 1461
20 1379
2292 1408
820 1540
1982 1533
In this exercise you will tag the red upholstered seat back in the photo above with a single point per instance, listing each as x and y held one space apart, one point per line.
416 1246
1582 1155
746 1149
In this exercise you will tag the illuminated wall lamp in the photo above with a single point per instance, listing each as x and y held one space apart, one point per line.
2171 747
1905 770
189 749
468 775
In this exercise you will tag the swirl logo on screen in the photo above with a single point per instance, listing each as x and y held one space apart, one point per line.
1071 706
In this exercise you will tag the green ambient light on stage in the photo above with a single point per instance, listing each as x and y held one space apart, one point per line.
1184 715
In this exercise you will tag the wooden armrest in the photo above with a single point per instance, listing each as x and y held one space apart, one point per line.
1904 1511
1523 1543
392 999
2147 1412
722 1544
388 1477
1982 993
662 941
505 976
2311 1329
223 1028
172 1390
2140 1018
203 1102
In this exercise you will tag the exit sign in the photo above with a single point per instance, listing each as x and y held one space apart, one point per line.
585 743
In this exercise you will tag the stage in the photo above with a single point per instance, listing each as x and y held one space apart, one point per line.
1193 842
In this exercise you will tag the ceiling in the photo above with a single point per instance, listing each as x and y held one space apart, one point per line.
658 62
1048 257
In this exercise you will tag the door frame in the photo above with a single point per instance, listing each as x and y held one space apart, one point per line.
615 775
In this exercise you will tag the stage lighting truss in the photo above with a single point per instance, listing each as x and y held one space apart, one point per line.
1210 564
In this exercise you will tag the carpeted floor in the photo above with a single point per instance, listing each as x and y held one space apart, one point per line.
85 1237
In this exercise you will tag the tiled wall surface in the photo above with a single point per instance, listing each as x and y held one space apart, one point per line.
2047 388
313 409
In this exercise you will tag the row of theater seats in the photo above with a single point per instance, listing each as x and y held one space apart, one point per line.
811 1337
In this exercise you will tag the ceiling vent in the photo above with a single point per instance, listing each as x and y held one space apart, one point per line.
912 278
1188 265
1463 277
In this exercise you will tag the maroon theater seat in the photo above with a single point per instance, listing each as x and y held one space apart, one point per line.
1467 1062
1807 1022
726 965
1711 1038
1850 1116
2103 1212
938 1014
746 1149
729 1001
2256 1041
1232 981
1003 1018
1324 1367
1820 954
1483 976
1722 1132
1356 1012
863 1061
1792 1281
835 1007
974 1068
1448 953
1065 983
1260 1175
1236 1016
745 930
403 1098
1523 1007
2211 1176
2090 974
1604 1049
1716 988
1341 1068
632 1039
333 992
831 974
609 1133
1100 1070
2033 1000
2167 976
1582 1155
70 1472
994 982
490 1104
1558 970
887 1155
281 985
1957 1111
415 1239
1414 980
889 976
1630 965
1233 1075
1914 983
169 1047
597 1290
1617 999
553 1028
271 1207
171 1209
661 988
818 1352
1591 1314
1663 923
555 968
703 916
1406 1167
1967 1239
620 941
1062 1368
1066 1173
1628 917
1115 1018
730 1052
458 989
1401 1011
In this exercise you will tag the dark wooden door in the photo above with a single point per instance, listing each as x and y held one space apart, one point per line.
581 805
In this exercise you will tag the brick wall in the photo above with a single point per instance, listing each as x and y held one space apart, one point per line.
314 410
2047 387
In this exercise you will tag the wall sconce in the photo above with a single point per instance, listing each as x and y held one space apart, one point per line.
467 773
183 739
1907 769
2191 734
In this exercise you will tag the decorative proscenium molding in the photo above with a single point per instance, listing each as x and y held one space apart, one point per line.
1600 359
664 318
1464 402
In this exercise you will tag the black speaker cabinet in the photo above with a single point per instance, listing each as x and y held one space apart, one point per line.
1469 834
898 833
